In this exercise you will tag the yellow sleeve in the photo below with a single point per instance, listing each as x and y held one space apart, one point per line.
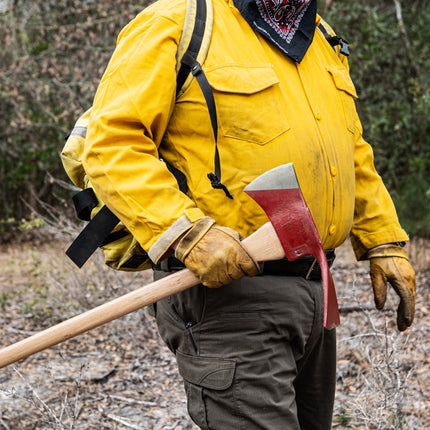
131 111
375 218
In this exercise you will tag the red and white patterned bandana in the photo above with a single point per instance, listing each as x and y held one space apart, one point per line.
289 24
283 16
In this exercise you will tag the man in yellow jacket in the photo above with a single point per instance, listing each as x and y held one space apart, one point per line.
253 352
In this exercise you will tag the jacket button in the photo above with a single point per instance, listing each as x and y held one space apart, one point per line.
333 171
318 116
332 229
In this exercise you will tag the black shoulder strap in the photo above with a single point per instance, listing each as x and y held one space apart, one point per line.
190 64
197 71
186 63
97 231
193 48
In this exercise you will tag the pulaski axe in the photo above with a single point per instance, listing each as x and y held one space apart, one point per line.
291 233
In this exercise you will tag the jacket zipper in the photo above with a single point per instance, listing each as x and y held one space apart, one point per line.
189 328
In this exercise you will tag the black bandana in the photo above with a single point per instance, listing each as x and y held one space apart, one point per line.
289 24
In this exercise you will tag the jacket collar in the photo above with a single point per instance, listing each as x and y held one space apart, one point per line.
293 37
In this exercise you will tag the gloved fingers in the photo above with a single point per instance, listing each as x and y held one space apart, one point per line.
400 274
403 281
245 262
404 320
211 281
392 263
379 284
221 272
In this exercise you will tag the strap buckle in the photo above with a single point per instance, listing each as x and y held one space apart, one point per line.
343 43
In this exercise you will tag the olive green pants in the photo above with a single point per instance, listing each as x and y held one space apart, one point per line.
253 354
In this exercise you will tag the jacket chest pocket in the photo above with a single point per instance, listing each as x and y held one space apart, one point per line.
347 93
248 102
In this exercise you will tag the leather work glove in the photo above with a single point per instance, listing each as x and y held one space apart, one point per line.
390 263
214 254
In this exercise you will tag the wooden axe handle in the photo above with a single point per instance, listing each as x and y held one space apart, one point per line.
263 245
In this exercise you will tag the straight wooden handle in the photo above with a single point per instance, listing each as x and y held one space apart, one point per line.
263 245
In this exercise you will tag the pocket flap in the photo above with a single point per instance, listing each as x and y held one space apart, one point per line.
342 80
241 79
209 372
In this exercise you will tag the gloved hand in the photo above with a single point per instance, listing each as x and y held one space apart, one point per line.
214 254
390 263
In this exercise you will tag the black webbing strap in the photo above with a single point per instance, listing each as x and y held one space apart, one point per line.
335 40
116 235
194 45
189 64
197 71
185 69
85 201
181 179
92 236
98 231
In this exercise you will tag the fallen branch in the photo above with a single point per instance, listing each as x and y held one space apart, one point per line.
138 402
5 426
122 421
363 308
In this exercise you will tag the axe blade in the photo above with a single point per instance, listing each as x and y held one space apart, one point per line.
278 193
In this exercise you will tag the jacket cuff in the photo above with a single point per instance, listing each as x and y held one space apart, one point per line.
361 245
193 236
163 243
388 251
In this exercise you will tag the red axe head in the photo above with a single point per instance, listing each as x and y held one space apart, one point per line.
278 193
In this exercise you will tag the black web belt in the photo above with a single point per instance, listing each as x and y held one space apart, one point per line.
305 267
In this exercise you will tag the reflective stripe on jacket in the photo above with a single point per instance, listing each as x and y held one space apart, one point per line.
270 110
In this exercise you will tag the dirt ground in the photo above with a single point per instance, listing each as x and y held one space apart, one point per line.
120 376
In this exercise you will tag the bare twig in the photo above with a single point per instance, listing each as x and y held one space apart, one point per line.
406 40
137 402
363 308
45 408
4 425
23 332
122 421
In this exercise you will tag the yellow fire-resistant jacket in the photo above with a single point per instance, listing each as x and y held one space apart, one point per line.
270 110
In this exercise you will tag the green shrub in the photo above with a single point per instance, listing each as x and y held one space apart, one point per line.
53 55
389 64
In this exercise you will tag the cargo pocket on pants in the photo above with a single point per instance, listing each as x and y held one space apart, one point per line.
199 373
